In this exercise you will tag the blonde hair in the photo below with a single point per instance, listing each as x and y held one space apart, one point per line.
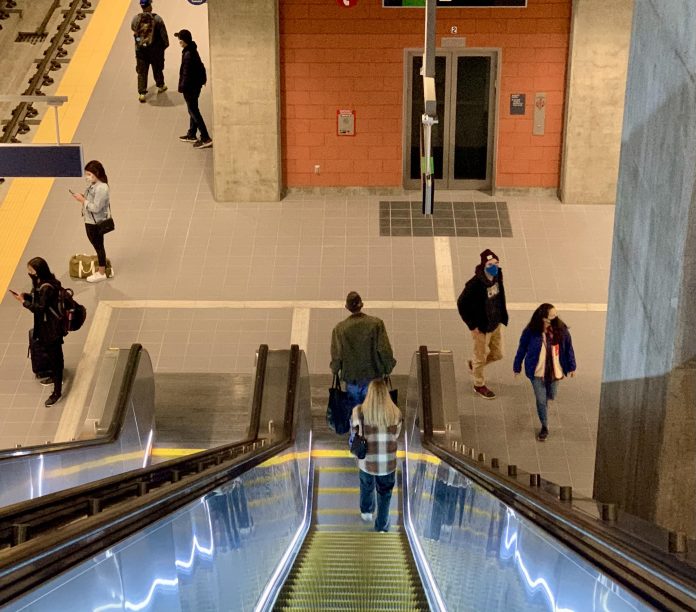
378 409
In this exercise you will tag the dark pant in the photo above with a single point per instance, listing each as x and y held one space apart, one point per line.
384 485
54 351
142 66
96 238
196 122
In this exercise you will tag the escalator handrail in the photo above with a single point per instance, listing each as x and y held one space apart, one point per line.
115 426
27 565
658 577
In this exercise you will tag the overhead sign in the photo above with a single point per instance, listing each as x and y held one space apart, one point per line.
456 3
34 160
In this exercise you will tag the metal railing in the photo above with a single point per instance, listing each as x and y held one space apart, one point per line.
613 542
44 537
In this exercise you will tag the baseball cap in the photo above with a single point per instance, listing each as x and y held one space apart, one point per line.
184 35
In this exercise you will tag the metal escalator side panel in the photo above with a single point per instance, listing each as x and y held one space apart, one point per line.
123 403
223 515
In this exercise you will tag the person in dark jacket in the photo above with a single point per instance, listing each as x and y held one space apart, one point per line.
48 329
151 40
360 349
547 351
482 307
192 77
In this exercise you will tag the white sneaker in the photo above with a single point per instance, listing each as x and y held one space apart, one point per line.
366 516
97 277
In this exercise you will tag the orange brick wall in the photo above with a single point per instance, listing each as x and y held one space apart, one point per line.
334 57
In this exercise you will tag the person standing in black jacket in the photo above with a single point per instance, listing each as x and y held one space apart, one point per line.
48 329
151 40
192 77
482 307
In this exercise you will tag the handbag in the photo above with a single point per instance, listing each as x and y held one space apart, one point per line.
358 442
82 266
105 226
393 393
339 408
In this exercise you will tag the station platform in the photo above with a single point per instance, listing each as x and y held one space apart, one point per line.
202 283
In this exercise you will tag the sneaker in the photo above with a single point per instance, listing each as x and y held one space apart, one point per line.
54 398
543 434
141 98
483 391
188 138
46 381
203 144
366 517
162 89
385 530
97 277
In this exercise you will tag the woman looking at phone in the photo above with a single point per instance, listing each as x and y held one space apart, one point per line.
48 330
95 209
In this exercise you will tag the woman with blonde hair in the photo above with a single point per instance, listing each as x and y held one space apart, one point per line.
379 420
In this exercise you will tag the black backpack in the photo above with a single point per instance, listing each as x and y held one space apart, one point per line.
71 314
145 30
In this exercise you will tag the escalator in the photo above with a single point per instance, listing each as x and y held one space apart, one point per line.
273 524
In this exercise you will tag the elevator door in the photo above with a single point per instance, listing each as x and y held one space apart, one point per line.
463 140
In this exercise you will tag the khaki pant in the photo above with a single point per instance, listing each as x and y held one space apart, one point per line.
487 349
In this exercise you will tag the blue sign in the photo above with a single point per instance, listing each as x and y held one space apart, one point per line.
36 160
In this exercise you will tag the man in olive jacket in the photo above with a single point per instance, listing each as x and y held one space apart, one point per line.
360 349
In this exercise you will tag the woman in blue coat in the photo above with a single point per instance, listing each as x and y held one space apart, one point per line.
547 351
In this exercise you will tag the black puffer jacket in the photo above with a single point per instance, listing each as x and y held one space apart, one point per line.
192 75
43 303
476 309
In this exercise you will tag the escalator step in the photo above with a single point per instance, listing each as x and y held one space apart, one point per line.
353 571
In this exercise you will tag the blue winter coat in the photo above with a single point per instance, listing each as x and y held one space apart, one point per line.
530 349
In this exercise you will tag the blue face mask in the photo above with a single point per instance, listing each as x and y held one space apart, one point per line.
492 270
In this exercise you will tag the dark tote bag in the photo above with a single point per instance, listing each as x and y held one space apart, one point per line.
358 442
393 393
339 409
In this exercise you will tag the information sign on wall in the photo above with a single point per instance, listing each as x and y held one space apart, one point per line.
345 120
457 3
517 104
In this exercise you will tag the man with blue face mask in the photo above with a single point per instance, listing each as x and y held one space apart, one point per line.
482 307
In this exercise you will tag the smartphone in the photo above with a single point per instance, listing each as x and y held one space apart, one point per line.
71 191
13 292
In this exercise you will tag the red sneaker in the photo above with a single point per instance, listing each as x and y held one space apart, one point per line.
484 392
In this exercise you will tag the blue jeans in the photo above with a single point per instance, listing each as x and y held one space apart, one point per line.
384 485
357 391
543 391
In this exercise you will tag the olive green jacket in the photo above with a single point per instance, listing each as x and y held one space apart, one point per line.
360 349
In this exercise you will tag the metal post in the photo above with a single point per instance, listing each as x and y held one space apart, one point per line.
429 45
55 112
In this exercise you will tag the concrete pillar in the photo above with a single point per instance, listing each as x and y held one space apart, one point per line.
597 62
646 445
245 74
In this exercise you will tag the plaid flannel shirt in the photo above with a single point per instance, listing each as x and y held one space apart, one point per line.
382 445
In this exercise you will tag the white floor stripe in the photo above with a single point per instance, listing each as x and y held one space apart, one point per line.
77 401
443 268
339 304
300 327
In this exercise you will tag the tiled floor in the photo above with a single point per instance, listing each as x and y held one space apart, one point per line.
174 242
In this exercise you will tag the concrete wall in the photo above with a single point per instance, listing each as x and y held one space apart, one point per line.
597 64
646 446
246 99
335 58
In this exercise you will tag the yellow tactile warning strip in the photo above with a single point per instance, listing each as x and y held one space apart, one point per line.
26 197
